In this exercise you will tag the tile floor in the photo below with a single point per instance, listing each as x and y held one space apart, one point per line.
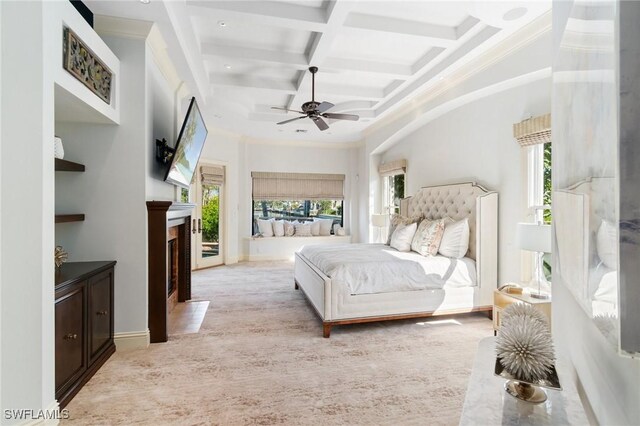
187 317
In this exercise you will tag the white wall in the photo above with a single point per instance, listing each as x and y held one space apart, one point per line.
475 143
26 177
112 191
161 117
222 148
264 157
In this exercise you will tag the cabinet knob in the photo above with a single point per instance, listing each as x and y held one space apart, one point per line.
101 313
71 336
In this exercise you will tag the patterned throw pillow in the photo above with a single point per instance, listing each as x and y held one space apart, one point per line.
289 228
396 220
303 230
428 236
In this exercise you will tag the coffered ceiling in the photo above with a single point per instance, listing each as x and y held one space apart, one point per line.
373 56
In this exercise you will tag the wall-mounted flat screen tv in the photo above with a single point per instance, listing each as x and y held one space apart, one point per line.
188 148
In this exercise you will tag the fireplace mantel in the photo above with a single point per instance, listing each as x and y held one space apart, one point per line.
163 216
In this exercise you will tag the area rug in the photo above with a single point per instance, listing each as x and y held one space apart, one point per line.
259 359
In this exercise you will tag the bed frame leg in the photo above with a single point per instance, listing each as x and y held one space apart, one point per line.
326 330
295 285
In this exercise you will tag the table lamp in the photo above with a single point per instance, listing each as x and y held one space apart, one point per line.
536 238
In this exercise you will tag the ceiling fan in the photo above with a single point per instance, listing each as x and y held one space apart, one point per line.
317 110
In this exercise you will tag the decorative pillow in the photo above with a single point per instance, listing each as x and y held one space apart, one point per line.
265 226
278 228
325 225
315 228
289 228
455 239
402 237
427 237
303 230
396 220
607 244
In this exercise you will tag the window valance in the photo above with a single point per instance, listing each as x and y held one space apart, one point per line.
297 186
533 131
392 168
212 175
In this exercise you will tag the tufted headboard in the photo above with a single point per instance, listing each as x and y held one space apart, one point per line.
458 201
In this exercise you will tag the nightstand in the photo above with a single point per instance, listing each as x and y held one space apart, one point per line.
502 299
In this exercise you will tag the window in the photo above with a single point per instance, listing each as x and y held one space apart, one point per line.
393 192
539 160
297 196
300 210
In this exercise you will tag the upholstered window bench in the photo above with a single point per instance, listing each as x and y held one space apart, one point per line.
281 248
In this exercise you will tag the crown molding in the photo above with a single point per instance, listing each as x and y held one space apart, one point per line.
141 30
122 27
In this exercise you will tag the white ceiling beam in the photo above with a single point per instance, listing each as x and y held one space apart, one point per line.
373 67
299 60
434 35
336 14
249 82
262 13
289 87
466 25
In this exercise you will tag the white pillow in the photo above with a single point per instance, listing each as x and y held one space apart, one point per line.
289 228
455 240
608 288
607 244
315 228
265 226
402 237
303 230
278 228
325 225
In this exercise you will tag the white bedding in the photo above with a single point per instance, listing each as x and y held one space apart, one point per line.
378 268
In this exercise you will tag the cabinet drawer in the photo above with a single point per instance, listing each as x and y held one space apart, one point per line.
70 336
100 312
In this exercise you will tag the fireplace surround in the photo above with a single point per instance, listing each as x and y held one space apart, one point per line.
169 244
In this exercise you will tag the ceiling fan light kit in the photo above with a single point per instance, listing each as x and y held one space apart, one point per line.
316 111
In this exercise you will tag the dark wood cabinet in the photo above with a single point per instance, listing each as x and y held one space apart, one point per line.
70 334
84 324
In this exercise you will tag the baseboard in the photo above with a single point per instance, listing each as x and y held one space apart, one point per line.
132 340
52 411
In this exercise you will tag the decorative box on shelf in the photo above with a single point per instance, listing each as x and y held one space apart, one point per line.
508 295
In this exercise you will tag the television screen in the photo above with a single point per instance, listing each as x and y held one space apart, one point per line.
188 148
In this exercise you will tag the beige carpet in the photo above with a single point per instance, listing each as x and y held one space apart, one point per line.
260 359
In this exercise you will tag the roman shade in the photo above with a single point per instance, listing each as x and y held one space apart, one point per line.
533 131
392 168
212 175
297 186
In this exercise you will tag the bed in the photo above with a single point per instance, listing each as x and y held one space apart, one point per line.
347 284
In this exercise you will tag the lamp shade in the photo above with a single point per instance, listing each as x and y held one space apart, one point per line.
534 237
379 220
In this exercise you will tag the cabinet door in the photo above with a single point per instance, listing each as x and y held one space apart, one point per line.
100 312
70 336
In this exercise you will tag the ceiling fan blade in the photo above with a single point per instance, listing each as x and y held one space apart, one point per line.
322 125
324 106
288 110
351 117
293 119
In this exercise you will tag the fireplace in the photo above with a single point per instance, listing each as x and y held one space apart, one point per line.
172 273
169 243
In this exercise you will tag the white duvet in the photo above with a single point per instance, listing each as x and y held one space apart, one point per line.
378 268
